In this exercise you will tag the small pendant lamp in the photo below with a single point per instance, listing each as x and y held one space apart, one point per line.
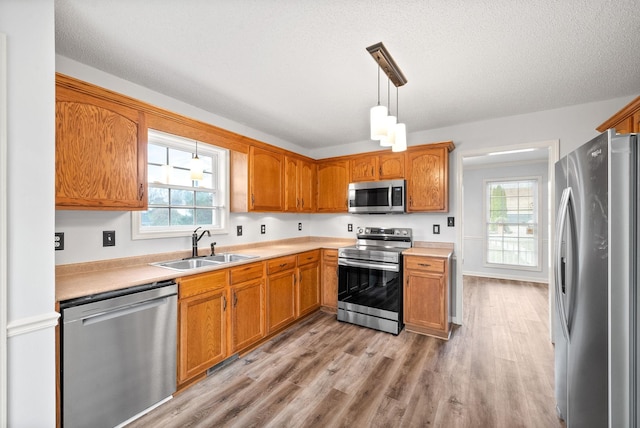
196 166
378 117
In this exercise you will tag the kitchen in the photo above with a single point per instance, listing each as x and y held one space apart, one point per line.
32 221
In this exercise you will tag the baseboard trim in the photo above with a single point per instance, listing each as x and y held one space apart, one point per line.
35 323
507 277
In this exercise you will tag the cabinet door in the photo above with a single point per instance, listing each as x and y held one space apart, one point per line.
425 300
636 121
266 172
364 168
428 180
281 306
307 175
333 181
101 154
202 333
308 288
391 166
330 279
247 314
291 184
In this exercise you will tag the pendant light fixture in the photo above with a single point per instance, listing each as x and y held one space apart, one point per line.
196 166
377 117
384 126
399 132
390 121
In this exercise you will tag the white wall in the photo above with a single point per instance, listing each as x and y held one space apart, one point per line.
474 215
30 218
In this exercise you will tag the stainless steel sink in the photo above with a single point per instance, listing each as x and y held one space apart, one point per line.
187 264
229 257
199 262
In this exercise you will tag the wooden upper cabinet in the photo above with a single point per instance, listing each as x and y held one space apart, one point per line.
101 153
428 179
266 180
333 181
391 166
364 168
625 121
299 185
376 167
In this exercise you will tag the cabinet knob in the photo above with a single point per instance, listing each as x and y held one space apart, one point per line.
141 191
224 303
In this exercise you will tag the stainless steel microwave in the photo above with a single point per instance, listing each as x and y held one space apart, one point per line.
377 197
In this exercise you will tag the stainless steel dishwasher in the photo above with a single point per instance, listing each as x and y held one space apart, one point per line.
118 354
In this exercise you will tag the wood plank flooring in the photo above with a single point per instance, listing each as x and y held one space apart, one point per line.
496 371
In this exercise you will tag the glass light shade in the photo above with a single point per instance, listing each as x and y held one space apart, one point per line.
389 139
167 171
378 122
196 168
400 145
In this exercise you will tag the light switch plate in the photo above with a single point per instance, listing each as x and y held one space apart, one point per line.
436 229
108 238
263 229
238 230
451 222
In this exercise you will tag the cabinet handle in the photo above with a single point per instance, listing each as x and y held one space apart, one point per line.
380 171
302 202
141 191
224 303
235 299
253 200
410 201
297 202
283 264
372 171
424 264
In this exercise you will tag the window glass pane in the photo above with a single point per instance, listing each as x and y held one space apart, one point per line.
181 216
155 217
204 216
181 197
156 154
179 158
181 177
204 199
158 196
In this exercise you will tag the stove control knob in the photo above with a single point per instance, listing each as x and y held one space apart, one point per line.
367 230
404 232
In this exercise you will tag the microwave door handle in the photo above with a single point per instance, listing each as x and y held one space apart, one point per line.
390 197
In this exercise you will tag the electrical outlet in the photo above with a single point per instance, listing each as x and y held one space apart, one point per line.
263 229
59 241
238 230
436 229
299 226
451 222
108 238
349 227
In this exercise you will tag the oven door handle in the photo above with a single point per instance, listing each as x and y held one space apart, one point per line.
370 265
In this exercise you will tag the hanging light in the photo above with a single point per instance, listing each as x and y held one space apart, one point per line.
377 117
390 123
384 126
400 132
196 166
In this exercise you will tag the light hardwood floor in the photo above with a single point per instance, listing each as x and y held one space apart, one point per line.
496 371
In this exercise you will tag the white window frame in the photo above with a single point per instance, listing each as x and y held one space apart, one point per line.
539 232
188 145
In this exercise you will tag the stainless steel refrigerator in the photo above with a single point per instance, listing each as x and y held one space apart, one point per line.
596 260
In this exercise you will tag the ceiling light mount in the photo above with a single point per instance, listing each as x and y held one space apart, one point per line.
385 61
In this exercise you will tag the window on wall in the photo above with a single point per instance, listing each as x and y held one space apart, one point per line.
512 233
177 203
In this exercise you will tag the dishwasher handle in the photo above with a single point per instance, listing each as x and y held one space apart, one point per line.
122 311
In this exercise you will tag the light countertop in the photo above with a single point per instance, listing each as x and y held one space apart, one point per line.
84 279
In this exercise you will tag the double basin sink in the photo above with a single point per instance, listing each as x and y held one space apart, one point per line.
206 261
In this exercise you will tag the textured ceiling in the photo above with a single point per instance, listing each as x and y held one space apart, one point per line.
299 70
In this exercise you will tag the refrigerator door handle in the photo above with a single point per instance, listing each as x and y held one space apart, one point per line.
559 262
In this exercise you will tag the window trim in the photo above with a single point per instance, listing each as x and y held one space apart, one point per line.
538 210
186 144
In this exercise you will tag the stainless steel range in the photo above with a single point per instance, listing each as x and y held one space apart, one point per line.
370 278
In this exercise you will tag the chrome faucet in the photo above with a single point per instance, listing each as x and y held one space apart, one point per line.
194 241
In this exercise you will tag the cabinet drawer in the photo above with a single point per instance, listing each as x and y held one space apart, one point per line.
245 273
424 263
330 255
197 284
281 264
308 257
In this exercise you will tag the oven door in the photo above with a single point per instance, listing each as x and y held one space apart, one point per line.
370 288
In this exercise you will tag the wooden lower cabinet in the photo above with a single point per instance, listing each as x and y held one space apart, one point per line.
308 290
426 296
330 279
281 295
247 306
202 323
